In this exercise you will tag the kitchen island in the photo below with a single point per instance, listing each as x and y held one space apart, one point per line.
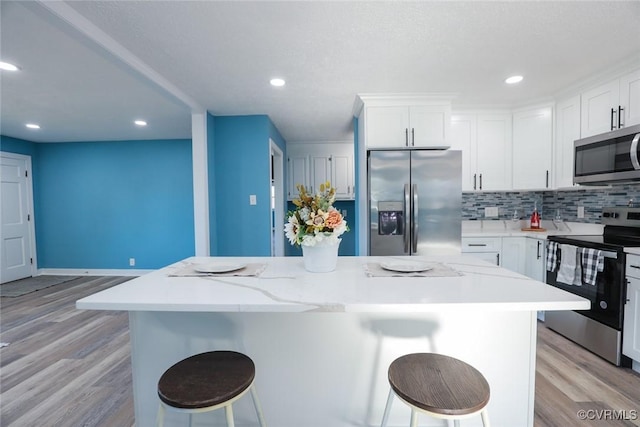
322 342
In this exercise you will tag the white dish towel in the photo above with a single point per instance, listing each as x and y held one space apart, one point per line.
570 271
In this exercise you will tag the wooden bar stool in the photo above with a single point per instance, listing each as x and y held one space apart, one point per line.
438 385
206 382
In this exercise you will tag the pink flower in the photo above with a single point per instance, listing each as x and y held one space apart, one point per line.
334 219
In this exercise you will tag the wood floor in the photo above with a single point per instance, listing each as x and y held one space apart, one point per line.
66 368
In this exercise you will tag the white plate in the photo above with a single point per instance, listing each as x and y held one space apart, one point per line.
218 268
405 267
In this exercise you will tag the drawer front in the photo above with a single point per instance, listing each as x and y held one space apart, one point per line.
633 266
481 244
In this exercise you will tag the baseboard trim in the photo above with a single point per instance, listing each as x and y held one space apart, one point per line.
91 272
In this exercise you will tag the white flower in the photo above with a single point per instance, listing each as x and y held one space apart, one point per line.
291 229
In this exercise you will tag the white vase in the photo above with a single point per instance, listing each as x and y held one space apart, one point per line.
321 258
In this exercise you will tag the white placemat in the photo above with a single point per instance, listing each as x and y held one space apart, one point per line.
247 271
436 270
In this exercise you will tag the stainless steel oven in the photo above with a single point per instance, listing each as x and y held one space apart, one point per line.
600 328
609 157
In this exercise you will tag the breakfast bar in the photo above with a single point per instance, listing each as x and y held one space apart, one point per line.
322 342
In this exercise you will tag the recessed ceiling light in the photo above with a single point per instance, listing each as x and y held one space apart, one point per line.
32 126
277 82
140 122
8 67
513 80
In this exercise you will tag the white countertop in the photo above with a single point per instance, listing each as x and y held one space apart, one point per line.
632 251
284 286
506 228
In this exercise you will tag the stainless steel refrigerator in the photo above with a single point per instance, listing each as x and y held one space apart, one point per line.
415 202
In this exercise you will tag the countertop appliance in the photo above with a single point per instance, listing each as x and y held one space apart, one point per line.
608 157
415 202
600 328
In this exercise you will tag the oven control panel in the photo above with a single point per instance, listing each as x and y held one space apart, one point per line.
621 216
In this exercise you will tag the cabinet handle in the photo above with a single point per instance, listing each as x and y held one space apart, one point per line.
413 137
547 179
612 113
474 181
538 251
481 181
497 259
477 244
620 115
634 266
406 137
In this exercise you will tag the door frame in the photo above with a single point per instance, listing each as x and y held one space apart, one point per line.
277 233
30 205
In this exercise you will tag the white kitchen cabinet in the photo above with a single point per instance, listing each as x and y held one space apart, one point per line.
567 131
298 170
463 138
405 121
487 248
532 148
631 328
630 98
342 175
320 171
514 254
535 259
485 142
611 105
315 164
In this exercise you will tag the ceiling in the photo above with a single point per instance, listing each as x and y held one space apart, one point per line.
89 68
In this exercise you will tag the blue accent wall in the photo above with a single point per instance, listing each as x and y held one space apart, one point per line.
100 203
241 168
17 146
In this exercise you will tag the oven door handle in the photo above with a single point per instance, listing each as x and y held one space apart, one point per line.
606 254
634 152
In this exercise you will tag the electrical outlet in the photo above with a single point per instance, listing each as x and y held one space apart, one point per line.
132 262
580 211
491 212
252 199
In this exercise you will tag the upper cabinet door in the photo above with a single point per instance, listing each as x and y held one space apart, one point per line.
494 152
600 109
463 138
320 171
630 98
342 175
532 149
430 126
567 131
298 174
387 126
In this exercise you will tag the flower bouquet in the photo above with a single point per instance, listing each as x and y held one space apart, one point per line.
316 226
315 221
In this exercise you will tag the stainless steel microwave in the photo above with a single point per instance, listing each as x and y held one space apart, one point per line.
609 157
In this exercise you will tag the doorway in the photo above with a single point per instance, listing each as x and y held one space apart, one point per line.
17 232
277 199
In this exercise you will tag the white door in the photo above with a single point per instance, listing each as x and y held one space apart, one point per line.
430 126
494 152
16 230
387 127
277 200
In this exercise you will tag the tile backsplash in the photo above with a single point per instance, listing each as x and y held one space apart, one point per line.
548 202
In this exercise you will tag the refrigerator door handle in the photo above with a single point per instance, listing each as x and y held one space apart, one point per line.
414 220
405 210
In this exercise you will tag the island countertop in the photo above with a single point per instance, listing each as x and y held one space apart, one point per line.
284 286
